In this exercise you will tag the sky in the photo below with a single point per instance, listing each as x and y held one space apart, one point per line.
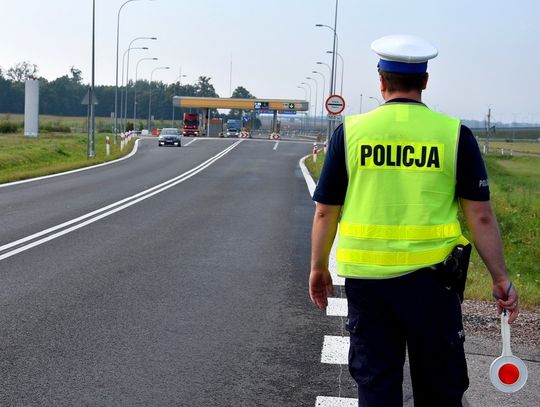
489 53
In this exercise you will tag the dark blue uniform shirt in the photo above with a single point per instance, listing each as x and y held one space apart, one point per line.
471 175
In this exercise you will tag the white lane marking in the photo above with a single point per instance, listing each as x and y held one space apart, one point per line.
191 142
337 307
276 145
335 402
132 200
335 350
91 167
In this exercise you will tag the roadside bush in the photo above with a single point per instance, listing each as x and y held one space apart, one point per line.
9 127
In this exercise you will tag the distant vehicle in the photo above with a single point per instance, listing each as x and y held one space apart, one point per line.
191 125
233 128
169 136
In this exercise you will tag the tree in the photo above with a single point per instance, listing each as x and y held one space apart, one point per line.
240 93
22 71
76 74
203 87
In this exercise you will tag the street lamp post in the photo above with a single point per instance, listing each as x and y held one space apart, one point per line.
342 69
323 98
309 87
117 55
333 73
91 150
135 87
150 93
305 98
179 80
316 99
127 51
334 50
127 76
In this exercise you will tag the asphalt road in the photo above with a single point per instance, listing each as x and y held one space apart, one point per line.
193 296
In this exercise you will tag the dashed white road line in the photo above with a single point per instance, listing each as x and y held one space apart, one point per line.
276 145
335 402
335 350
337 307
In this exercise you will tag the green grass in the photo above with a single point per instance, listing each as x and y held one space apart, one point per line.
315 168
26 157
77 124
515 195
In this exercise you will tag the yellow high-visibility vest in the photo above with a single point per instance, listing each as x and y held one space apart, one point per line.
400 211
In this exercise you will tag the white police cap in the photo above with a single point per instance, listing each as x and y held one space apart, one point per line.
403 53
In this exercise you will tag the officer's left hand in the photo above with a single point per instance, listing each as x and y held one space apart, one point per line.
507 299
320 287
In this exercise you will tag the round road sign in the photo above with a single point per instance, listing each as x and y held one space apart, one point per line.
335 104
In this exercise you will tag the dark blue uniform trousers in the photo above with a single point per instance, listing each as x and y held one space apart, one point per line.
414 312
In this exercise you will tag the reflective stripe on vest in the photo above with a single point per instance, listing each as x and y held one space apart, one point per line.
381 258
400 211
400 232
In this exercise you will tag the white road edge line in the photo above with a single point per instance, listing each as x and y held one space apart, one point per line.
307 176
91 167
130 201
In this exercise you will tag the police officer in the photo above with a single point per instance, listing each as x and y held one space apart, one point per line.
393 179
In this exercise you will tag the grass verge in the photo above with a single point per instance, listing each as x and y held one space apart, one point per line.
515 195
26 157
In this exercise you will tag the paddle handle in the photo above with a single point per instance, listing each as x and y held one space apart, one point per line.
505 333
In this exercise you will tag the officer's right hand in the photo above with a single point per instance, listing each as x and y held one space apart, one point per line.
320 287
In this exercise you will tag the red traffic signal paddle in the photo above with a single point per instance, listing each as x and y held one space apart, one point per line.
508 373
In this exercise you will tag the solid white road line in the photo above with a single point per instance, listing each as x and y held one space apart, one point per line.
107 210
335 402
307 177
337 307
335 350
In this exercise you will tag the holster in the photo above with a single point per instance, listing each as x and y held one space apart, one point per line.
453 269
